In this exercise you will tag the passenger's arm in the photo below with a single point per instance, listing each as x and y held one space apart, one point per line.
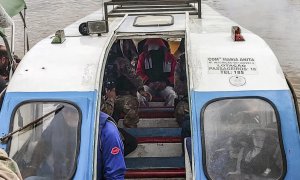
140 69
107 104
112 153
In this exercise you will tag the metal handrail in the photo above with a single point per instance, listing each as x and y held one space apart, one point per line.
148 2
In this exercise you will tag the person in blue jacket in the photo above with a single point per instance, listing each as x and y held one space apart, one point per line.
110 158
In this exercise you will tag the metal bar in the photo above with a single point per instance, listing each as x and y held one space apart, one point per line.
199 9
7 136
150 13
134 7
153 6
152 10
12 43
106 16
167 2
147 0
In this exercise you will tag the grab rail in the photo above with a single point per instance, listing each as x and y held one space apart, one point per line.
138 4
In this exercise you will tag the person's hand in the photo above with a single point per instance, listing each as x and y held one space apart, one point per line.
144 98
161 86
147 95
111 94
4 77
152 85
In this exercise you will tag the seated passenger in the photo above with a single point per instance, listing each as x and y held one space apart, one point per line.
227 152
110 158
4 67
180 87
262 156
121 77
107 106
141 45
54 156
156 66
124 48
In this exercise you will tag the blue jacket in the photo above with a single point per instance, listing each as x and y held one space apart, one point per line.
110 157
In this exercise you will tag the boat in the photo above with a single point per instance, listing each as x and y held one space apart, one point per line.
243 112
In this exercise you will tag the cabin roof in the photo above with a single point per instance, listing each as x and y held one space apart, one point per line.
76 64
70 66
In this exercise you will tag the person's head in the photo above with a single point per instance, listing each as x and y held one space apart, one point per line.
122 65
71 115
154 44
236 142
258 137
3 57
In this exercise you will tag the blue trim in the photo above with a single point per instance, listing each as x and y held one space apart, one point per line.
86 101
283 101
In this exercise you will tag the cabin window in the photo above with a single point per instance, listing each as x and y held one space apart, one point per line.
153 20
242 140
48 148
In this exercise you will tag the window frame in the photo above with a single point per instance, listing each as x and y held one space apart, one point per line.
153 25
278 121
77 152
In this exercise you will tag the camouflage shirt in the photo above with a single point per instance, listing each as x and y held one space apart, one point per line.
9 169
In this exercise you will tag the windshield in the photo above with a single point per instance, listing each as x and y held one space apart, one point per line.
241 140
48 148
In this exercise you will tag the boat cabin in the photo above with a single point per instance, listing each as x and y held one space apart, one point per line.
241 111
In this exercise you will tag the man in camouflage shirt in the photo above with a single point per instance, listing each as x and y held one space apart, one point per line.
125 83
8 168
180 86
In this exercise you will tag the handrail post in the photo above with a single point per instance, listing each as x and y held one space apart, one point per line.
106 15
199 9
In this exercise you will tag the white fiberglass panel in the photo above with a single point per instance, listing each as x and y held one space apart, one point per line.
217 63
71 66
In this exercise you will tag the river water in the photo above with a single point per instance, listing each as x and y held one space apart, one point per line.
278 23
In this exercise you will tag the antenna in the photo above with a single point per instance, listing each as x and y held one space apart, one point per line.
103 15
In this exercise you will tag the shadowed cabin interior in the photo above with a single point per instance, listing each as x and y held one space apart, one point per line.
159 152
